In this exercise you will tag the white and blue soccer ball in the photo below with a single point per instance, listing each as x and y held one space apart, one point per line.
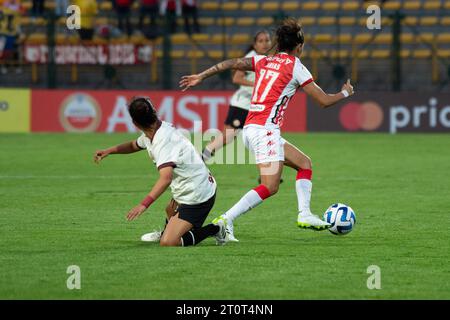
341 217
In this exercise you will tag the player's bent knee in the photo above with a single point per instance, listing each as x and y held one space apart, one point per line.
169 241
164 242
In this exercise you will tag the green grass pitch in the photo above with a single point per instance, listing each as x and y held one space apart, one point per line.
57 208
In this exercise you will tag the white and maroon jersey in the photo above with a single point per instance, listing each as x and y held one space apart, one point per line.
277 79
242 97
192 182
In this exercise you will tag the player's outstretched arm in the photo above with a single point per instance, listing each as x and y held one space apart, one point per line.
165 178
124 148
243 64
326 100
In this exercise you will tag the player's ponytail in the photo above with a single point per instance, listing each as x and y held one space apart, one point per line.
142 112
289 35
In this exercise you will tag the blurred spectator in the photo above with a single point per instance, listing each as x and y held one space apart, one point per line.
190 11
107 32
123 9
171 9
10 35
88 12
61 7
148 8
38 8
11 6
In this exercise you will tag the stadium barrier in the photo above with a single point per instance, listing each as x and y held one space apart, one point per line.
90 54
15 110
106 111
23 110
384 112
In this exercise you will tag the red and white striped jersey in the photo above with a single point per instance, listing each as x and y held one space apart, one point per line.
277 79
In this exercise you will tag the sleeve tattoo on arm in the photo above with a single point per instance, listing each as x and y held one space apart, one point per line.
244 64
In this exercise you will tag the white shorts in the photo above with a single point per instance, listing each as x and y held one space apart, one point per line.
266 144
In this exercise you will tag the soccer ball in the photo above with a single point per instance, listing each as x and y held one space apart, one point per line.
341 217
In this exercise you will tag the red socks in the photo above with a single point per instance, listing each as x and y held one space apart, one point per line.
304 174
262 191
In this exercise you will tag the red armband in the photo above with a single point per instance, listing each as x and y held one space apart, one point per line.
148 200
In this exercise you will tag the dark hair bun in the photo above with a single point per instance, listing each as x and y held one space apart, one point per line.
142 112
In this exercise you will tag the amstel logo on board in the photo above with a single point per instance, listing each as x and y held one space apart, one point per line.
80 112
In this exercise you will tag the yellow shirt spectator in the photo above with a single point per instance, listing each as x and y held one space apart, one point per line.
88 12
10 18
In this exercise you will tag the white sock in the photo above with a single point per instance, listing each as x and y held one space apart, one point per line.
249 201
303 188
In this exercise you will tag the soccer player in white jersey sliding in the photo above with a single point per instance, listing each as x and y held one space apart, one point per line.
180 167
277 79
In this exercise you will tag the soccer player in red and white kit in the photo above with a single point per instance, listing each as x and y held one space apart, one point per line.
277 79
